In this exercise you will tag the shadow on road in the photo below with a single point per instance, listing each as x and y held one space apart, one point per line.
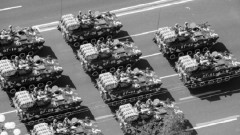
216 91
63 81
47 50
123 35
142 64
219 47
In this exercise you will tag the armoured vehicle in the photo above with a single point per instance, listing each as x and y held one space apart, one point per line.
101 58
20 42
46 105
22 74
145 118
73 127
88 28
207 69
178 41
124 87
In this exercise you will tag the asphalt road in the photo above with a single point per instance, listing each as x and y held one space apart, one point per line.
211 110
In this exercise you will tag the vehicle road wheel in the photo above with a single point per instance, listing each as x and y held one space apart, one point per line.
50 118
4 58
227 78
109 36
193 85
40 85
93 41
13 91
128 65
180 54
76 44
31 87
31 53
22 55
189 52
211 82
85 42
205 49
112 69
103 71
172 57
40 120
219 80
95 73
202 84
22 88
120 67
49 83
13 57
101 38
197 50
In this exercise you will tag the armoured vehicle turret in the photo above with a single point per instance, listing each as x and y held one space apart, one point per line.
67 127
177 41
20 42
207 69
124 87
44 105
145 118
22 74
88 28
100 58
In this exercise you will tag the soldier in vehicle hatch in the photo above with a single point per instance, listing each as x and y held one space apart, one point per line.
35 92
16 61
10 29
127 41
197 56
109 42
79 16
186 26
90 15
129 71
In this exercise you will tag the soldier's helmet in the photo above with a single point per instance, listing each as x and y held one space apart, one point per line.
176 25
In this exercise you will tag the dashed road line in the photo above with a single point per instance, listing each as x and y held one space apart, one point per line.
13 111
146 56
9 8
216 122
104 117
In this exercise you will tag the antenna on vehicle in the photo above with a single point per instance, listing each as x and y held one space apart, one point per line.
61 7
158 18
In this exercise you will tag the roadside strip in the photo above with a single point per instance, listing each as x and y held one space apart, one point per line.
123 11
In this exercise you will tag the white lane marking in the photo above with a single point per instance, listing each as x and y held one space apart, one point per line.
145 7
154 7
139 6
140 34
150 55
13 111
4 9
169 76
199 95
104 117
216 122
48 29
